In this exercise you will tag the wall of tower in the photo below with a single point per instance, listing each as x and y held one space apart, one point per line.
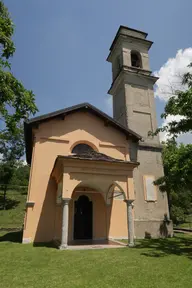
149 216
119 107
141 118
140 108
134 107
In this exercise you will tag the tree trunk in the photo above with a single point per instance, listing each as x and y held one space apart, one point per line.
4 197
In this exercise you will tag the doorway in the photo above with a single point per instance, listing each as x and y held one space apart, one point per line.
83 218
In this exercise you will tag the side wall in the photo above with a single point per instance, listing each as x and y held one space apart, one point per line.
117 220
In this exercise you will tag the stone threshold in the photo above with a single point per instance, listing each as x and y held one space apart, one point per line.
94 244
91 247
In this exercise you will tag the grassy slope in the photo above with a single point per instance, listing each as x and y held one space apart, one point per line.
154 263
13 216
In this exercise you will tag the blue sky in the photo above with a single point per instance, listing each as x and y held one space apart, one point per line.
61 46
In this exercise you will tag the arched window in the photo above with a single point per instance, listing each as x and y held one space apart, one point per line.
136 59
82 149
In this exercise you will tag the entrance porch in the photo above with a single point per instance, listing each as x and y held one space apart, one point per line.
94 202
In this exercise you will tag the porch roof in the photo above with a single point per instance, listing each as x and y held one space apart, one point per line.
95 156
80 168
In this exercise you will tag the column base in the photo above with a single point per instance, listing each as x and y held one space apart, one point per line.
63 247
131 245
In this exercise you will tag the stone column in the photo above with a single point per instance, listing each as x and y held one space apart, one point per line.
130 222
65 222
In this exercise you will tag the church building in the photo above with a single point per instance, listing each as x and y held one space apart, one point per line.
92 175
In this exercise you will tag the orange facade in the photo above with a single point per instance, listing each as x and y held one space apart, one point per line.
72 178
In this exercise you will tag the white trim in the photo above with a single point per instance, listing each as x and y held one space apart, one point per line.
118 238
108 144
55 139
148 220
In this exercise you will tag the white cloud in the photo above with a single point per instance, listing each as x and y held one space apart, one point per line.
170 74
185 138
170 77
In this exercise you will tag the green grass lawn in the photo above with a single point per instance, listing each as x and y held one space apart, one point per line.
13 216
153 263
188 223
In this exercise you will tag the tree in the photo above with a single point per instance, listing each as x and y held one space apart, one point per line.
13 175
11 149
6 173
177 179
177 159
20 176
16 103
179 104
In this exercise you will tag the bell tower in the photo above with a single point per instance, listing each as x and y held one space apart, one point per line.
132 86
134 107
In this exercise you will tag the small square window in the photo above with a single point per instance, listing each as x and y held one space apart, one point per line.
150 190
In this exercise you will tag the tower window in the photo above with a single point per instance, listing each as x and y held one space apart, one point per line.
136 59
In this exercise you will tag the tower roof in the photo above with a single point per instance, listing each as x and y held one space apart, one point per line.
131 33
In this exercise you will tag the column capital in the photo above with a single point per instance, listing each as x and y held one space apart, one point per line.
129 202
66 200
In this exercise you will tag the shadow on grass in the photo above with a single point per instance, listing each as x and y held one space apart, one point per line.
46 244
15 237
179 245
10 203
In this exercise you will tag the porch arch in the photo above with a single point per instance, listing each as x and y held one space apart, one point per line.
80 226
109 194
88 185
